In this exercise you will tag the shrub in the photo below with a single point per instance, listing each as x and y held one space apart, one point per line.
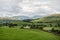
22 27
58 32
53 30
41 28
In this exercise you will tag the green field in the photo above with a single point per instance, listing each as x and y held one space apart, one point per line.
26 34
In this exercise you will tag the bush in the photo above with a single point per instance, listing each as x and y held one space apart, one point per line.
41 28
22 27
58 32
53 30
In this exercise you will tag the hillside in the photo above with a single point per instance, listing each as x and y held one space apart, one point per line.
7 19
50 18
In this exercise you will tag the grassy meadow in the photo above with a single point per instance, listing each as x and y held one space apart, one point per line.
25 34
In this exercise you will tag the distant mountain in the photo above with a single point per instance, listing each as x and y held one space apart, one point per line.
50 18
21 17
35 17
17 18
26 17
7 18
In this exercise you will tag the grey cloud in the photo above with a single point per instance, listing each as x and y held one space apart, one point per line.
11 8
55 4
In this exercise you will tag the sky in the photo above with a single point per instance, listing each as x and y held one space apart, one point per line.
30 8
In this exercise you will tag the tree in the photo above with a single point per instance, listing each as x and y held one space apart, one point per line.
50 25
58 25
12 25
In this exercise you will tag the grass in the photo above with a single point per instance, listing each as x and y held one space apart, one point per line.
26 34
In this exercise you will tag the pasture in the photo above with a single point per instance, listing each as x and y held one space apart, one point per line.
25 34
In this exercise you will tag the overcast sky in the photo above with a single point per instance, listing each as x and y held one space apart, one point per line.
29 7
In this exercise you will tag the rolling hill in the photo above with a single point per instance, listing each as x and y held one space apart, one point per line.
50 18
